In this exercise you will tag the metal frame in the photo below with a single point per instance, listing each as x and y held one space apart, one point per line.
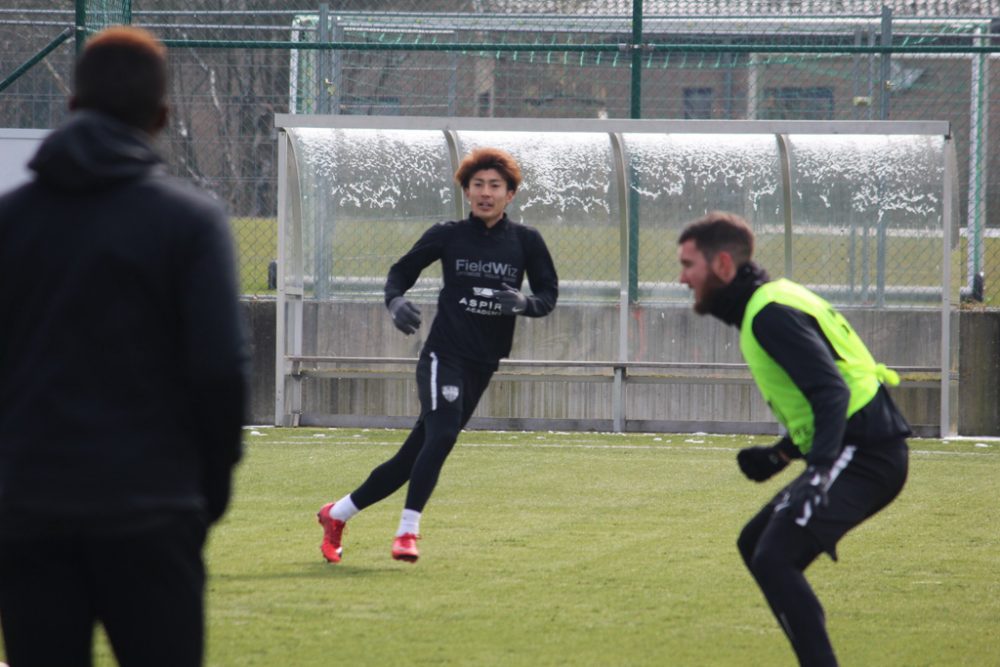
289 359
619 126
979 114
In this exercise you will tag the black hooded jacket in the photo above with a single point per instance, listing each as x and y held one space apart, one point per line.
796 342
122 354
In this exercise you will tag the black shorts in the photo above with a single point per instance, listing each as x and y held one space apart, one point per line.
863 481
446 383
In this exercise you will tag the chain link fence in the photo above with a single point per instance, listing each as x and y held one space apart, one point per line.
236 64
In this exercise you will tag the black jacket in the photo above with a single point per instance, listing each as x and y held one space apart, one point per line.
122 354
476 261
796 342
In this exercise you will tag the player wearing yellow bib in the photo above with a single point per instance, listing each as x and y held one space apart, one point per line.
828 392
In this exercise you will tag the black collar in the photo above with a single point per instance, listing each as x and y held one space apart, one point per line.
479 225
730 302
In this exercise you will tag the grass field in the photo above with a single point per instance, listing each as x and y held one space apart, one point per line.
256 242
587 549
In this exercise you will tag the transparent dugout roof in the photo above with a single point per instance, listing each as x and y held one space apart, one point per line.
854 215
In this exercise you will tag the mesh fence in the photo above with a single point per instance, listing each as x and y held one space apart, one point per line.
236 64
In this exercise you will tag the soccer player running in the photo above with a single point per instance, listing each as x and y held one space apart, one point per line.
484 259
828 393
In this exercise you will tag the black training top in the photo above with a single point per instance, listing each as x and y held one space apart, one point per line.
796 342
476 262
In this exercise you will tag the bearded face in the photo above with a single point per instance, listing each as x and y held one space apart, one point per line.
700 275
705 297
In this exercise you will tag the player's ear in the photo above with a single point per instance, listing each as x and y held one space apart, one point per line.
724 266
160 121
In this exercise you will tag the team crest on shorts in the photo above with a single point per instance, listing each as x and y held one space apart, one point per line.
450 392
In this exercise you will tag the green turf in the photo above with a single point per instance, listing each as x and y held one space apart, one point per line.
587 549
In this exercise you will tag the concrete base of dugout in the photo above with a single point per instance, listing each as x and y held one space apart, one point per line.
656 400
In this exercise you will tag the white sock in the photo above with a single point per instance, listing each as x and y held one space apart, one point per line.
409 522
344 509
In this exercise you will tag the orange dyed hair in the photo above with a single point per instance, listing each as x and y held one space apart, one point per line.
489 158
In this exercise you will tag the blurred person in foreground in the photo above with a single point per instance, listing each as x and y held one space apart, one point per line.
484 259
122 379
829 395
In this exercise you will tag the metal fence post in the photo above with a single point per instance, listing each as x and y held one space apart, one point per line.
34 60
81 25
626 218
635 112
978 130
322 65
885 95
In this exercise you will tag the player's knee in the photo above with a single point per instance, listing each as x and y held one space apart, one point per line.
768 563
440 444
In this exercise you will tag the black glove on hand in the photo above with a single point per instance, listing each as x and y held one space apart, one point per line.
512 302
405 315
809 491
761 463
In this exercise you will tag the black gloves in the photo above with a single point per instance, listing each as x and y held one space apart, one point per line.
405 315
809 491
512 302
806 493
761 463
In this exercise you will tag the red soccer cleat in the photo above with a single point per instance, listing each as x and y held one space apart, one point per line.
404 547
333 530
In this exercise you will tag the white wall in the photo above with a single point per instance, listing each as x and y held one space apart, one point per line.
16 148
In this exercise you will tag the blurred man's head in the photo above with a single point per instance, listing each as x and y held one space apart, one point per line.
710 250
122 72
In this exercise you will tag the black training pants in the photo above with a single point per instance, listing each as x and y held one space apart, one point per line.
144 586
777 545
449 390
